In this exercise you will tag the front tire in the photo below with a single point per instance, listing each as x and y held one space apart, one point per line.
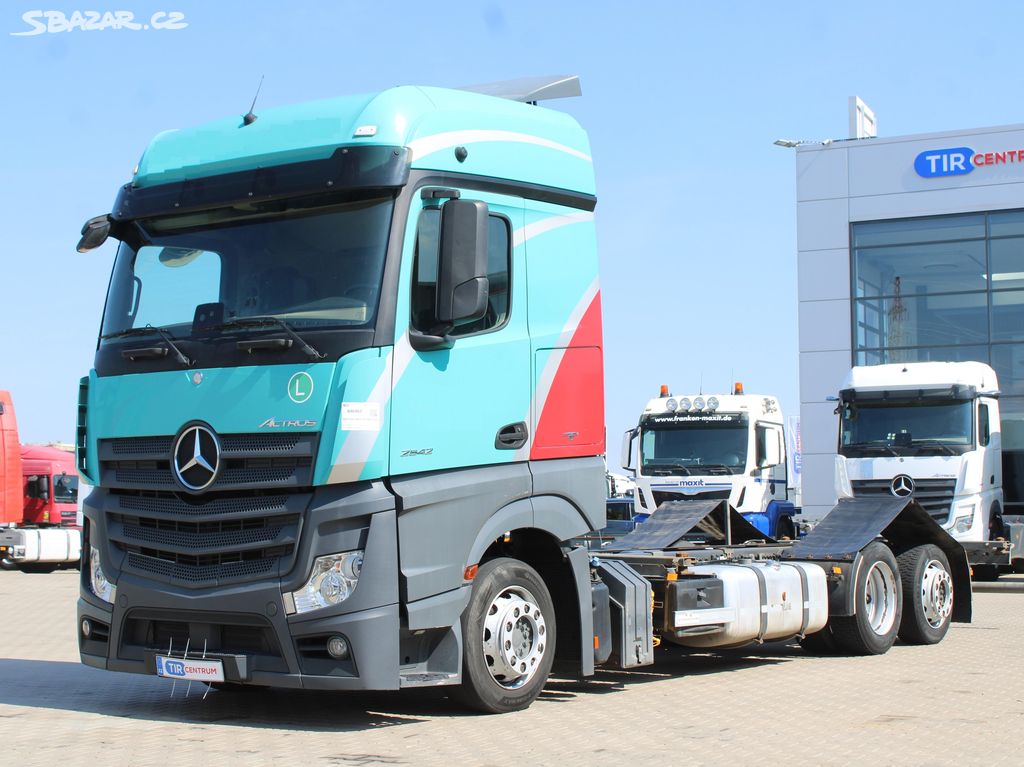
508 638
879 605
927 595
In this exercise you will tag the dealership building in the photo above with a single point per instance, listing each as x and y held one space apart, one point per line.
910 249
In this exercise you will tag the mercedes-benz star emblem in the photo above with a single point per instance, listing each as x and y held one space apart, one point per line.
901 486
196 458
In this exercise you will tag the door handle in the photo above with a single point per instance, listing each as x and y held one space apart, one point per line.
511 437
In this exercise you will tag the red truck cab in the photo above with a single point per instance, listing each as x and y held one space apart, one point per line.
50 486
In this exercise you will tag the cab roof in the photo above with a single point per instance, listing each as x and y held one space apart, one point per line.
503 138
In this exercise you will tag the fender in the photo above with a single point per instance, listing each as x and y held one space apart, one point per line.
838 539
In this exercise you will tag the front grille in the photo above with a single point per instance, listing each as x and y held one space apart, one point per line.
249 461
934 495
664 496
200 542
201 571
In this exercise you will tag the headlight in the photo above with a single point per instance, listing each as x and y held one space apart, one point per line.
671 405
332 581
712 403
698 404
684 404
101 587
964 517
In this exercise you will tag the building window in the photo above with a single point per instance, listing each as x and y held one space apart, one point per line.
947 288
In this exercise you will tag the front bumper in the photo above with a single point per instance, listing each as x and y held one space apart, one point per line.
245 624
291 654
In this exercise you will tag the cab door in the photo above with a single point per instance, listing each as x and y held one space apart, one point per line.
467 405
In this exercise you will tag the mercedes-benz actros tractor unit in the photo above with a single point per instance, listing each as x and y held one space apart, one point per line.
930 431
346 418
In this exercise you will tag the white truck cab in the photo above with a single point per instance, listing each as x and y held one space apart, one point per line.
713 447
928 430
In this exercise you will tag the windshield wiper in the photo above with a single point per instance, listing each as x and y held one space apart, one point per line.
665 469
713 468
868 447
269 319
148 330
930 443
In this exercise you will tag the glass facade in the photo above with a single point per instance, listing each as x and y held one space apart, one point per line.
948 288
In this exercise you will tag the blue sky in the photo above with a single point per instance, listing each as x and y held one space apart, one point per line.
696 211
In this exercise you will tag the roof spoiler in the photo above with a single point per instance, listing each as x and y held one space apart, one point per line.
955 391
531 89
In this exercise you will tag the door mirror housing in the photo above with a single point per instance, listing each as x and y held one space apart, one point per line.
626 459
94 233
462 287
769 447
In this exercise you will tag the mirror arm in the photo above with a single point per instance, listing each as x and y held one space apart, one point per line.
424 342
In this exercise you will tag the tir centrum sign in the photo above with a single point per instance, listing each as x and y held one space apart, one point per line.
959 161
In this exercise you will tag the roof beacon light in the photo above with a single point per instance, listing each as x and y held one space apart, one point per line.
737 388
664 390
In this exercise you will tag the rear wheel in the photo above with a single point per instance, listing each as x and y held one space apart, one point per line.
508 638
6 564
927 595
878 602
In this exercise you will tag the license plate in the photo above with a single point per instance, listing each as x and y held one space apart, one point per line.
191 669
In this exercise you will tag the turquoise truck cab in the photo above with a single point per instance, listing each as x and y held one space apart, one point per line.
349 375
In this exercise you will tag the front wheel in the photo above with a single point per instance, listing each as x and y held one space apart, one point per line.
927 594
878 603
508 638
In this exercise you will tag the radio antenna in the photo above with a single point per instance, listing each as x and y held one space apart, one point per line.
249 117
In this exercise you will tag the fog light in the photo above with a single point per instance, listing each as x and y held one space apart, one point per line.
337 647
86 627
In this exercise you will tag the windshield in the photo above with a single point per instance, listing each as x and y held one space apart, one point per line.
65 488
312 269
906 428
709 443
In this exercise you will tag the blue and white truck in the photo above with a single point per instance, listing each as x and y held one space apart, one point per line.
729 447
345 420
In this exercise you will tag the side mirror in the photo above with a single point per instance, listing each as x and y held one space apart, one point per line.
42 487
94 233
769 447
462 285
626 458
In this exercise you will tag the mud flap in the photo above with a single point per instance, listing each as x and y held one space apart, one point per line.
714 522
836 541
